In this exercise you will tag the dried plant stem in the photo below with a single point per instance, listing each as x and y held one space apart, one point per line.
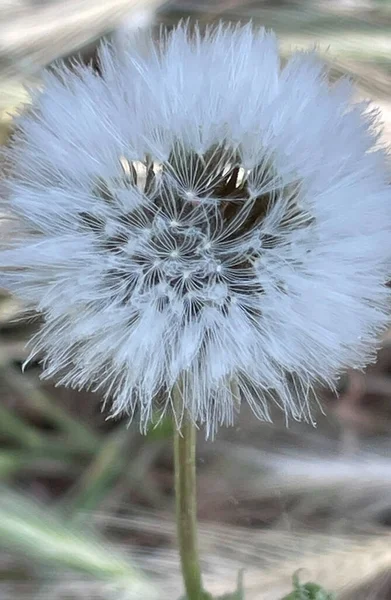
186 503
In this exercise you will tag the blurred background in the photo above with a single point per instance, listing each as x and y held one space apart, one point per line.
86 503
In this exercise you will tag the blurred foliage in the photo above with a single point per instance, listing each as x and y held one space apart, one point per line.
308 591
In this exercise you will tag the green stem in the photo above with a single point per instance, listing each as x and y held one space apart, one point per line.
186 504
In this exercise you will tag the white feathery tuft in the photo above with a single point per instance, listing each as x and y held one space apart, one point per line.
199 213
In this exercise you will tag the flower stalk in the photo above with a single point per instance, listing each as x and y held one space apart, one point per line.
186 503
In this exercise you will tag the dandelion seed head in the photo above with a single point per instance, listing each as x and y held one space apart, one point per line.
198 213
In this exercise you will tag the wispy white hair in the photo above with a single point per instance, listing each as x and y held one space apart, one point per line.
198 213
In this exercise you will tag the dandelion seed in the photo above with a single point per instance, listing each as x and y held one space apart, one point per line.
199 213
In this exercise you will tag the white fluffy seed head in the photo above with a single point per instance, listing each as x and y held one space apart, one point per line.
198 213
